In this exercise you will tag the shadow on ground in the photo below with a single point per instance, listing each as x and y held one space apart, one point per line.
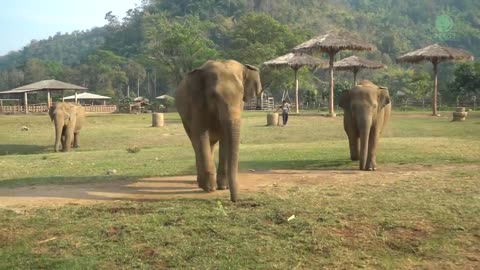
23 149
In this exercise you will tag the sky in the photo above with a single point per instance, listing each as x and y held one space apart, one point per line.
24 20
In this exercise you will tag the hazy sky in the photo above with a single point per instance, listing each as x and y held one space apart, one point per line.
24 20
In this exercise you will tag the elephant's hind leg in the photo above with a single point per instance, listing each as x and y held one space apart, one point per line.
354 142
76 140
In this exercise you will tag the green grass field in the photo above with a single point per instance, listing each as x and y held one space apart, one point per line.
427 221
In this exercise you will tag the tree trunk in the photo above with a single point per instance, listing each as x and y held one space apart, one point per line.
138 87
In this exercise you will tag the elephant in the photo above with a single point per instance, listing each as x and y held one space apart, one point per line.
367 110
210 102
68 119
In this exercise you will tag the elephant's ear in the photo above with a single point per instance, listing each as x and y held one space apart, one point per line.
252 67
383 97
344 99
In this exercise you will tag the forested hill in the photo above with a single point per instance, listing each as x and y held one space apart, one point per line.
157 42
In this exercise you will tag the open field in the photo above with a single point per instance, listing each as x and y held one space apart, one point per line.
420 210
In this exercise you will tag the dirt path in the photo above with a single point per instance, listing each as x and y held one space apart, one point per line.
159 188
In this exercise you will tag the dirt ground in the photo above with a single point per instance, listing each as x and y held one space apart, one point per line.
160 188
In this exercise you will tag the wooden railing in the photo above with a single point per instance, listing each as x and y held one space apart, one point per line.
37 108
100 108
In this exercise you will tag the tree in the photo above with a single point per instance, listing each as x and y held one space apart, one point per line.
258 37
106 73
136 74
35 70
467 80
181 44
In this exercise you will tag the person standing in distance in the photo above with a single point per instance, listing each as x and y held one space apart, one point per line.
285 110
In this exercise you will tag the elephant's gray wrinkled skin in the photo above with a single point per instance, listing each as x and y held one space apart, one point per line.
367 110
210 102
68 119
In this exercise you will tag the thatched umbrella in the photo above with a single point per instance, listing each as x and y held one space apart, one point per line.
295 62
331 43
355 64
435 54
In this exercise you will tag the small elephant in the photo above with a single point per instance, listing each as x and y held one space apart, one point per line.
68 119
210 103
367 109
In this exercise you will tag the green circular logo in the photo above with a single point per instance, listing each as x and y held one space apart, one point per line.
444 23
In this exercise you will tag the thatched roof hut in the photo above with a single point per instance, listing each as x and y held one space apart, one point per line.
295 62
331 43
355 64
435 53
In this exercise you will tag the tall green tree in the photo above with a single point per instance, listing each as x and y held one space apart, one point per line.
35 70
181 44
258 37
136 75
106 73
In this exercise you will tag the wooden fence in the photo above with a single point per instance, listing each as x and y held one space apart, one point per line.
43 108
100 108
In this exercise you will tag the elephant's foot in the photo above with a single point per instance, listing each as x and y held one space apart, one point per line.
371 166
222 183
207 183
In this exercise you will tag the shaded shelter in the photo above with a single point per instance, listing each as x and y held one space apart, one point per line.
295 62
331 43
435 54
355 64
85 96
43 86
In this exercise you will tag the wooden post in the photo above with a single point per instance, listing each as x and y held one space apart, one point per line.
76 98
25 101
157 120
296 91
49 99
435 88
331 109
355 71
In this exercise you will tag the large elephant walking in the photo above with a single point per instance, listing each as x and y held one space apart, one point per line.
367 110
68 119
210 102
